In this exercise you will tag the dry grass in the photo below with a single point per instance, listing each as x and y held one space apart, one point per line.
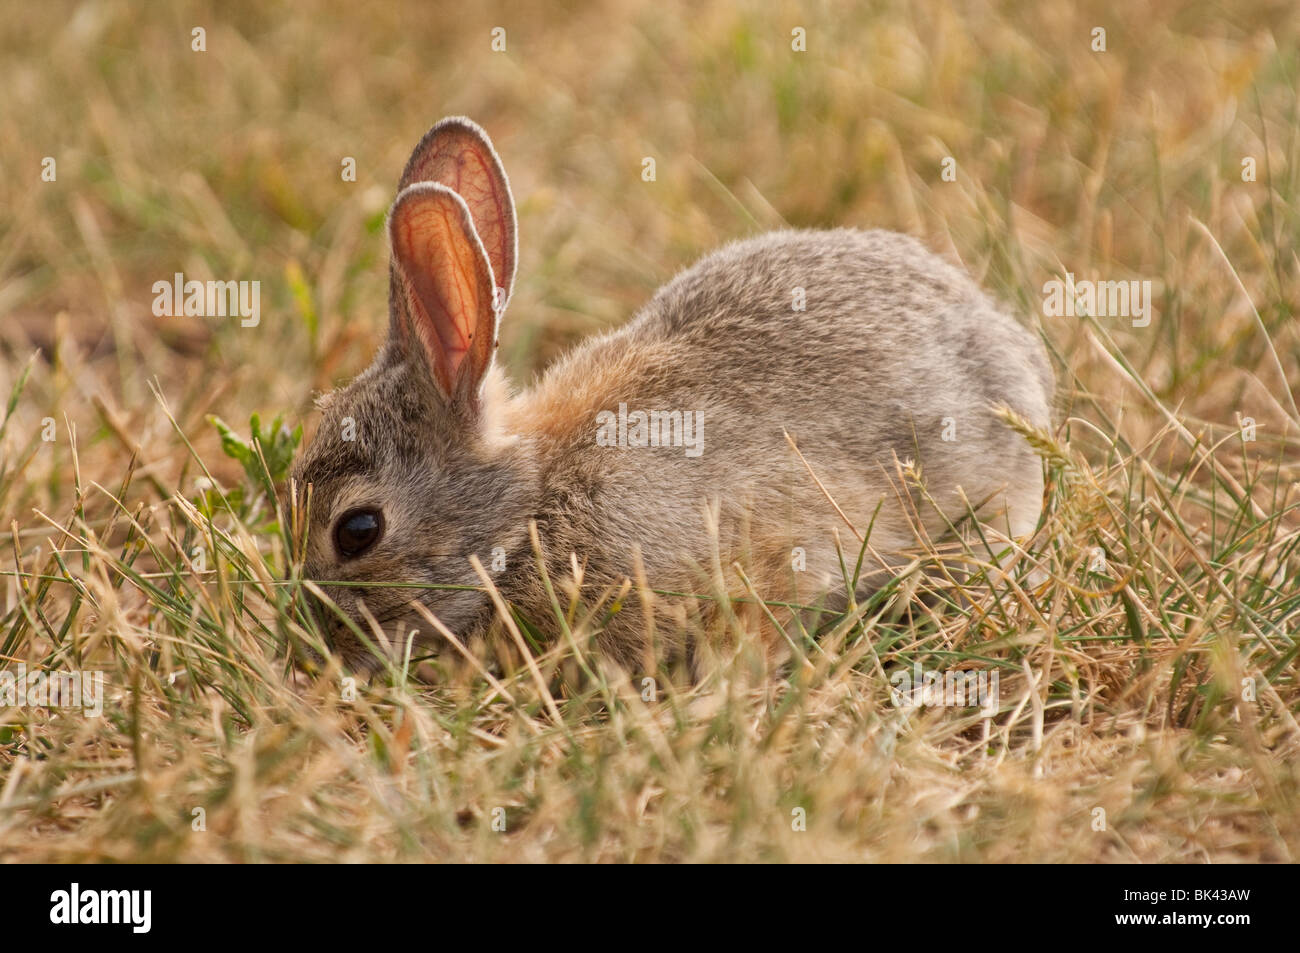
1163 691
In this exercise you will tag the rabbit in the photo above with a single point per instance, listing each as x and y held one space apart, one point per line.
817 370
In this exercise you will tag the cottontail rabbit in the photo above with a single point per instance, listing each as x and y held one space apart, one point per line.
657 453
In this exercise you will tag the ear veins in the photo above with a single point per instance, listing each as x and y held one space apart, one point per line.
479 192
458 154
453 333
483 196
446 276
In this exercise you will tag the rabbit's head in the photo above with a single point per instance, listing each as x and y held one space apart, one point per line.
408 472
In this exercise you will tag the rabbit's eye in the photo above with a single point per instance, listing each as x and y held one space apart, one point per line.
358 530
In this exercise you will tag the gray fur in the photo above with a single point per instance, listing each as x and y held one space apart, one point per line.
892 341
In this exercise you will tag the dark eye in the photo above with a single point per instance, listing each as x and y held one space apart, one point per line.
358 530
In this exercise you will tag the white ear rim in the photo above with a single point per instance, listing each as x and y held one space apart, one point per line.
422 155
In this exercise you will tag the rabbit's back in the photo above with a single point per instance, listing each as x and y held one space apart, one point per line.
809 312
873 355
864 338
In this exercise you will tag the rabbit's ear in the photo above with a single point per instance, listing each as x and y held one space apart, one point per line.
458 153
442 289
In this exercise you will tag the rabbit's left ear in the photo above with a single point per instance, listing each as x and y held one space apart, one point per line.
442 289
457 153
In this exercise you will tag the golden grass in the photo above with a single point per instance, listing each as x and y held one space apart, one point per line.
1122 691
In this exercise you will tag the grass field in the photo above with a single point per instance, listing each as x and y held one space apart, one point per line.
1149 700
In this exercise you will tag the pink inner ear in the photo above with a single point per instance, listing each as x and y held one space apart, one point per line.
458 157
448 282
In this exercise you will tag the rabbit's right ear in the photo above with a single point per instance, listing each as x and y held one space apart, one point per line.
443 290
457 153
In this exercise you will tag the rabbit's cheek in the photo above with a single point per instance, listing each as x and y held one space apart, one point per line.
459 612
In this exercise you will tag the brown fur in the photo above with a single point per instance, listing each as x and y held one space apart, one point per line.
892 341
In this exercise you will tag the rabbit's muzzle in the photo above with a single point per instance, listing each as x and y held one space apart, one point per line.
364 626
